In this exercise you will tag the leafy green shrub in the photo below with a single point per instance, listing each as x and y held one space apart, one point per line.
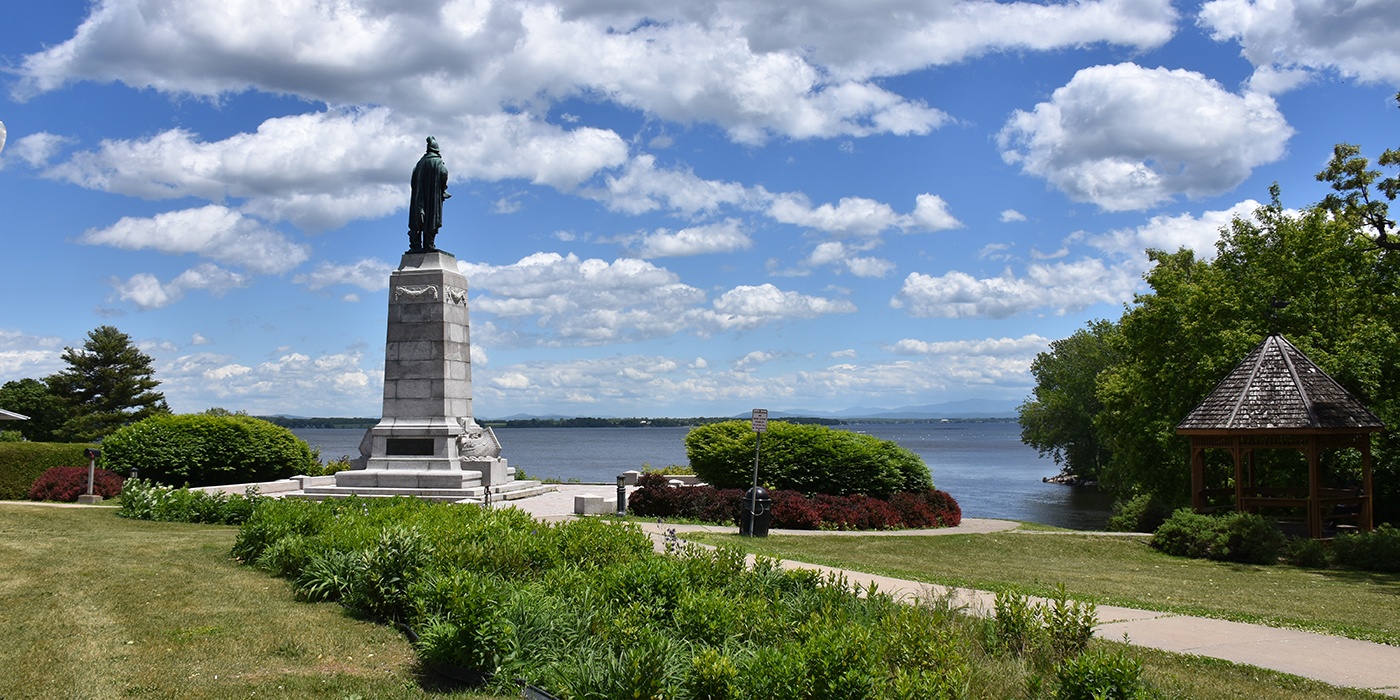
205 450
1057 628
11 436
807 458
1377 550
1141 513
1186 534
1100 675
1248 538
147 500
21 463
1307 553
1238 537
65 484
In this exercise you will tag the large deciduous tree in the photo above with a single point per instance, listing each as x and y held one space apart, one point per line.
1058 420
108 383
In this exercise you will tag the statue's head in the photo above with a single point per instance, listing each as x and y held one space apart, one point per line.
432 145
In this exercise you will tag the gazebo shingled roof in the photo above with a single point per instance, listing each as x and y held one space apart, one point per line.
1277 387
1278 398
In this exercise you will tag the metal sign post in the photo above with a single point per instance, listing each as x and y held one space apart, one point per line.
92 456
760 426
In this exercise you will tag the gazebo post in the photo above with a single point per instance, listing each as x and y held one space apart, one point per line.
1365 523
1198 476
1238 454
1314 489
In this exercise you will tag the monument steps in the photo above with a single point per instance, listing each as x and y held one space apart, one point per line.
509 491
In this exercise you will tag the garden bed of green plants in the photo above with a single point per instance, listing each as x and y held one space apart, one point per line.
587 609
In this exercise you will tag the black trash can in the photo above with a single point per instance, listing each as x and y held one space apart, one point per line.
756 513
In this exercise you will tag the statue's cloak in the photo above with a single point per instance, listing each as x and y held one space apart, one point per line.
429 185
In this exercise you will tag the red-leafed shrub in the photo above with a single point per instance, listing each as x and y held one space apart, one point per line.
857 512
720 505
793 511
930 508
67 483
655 497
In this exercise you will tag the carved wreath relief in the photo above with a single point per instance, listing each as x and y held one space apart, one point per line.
416 292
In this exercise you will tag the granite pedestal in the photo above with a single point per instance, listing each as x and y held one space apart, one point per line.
427 443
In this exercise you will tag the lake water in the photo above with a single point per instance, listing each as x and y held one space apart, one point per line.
983 465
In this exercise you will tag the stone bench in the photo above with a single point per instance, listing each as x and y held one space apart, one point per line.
592 504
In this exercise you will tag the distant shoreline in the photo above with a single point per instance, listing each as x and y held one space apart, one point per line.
588 422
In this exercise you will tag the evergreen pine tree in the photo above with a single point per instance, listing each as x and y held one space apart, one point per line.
108 383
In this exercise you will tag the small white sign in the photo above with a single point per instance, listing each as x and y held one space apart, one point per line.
760 420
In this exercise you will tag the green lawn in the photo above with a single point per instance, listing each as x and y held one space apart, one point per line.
96 606
1117 571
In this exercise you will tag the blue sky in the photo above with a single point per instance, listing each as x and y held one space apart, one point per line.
662 208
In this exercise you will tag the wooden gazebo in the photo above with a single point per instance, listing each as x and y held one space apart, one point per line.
1278 399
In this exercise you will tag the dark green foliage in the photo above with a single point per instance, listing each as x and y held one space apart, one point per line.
1059 420
205 450
1239 537
32 398
807 458
65 484
1378 550
146 500
1100 675
1308 553
1141 513
23 462
107 384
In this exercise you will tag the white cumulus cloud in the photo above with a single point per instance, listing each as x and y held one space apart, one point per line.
148 292
1057 288
212 231
1356 39
723 237
1126 137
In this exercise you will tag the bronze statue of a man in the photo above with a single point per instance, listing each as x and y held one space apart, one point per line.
425 202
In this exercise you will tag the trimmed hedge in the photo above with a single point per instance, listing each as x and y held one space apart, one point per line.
22 463
810 459
66 484
205 450
655 497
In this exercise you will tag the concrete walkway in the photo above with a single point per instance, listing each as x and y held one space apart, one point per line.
1335 660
